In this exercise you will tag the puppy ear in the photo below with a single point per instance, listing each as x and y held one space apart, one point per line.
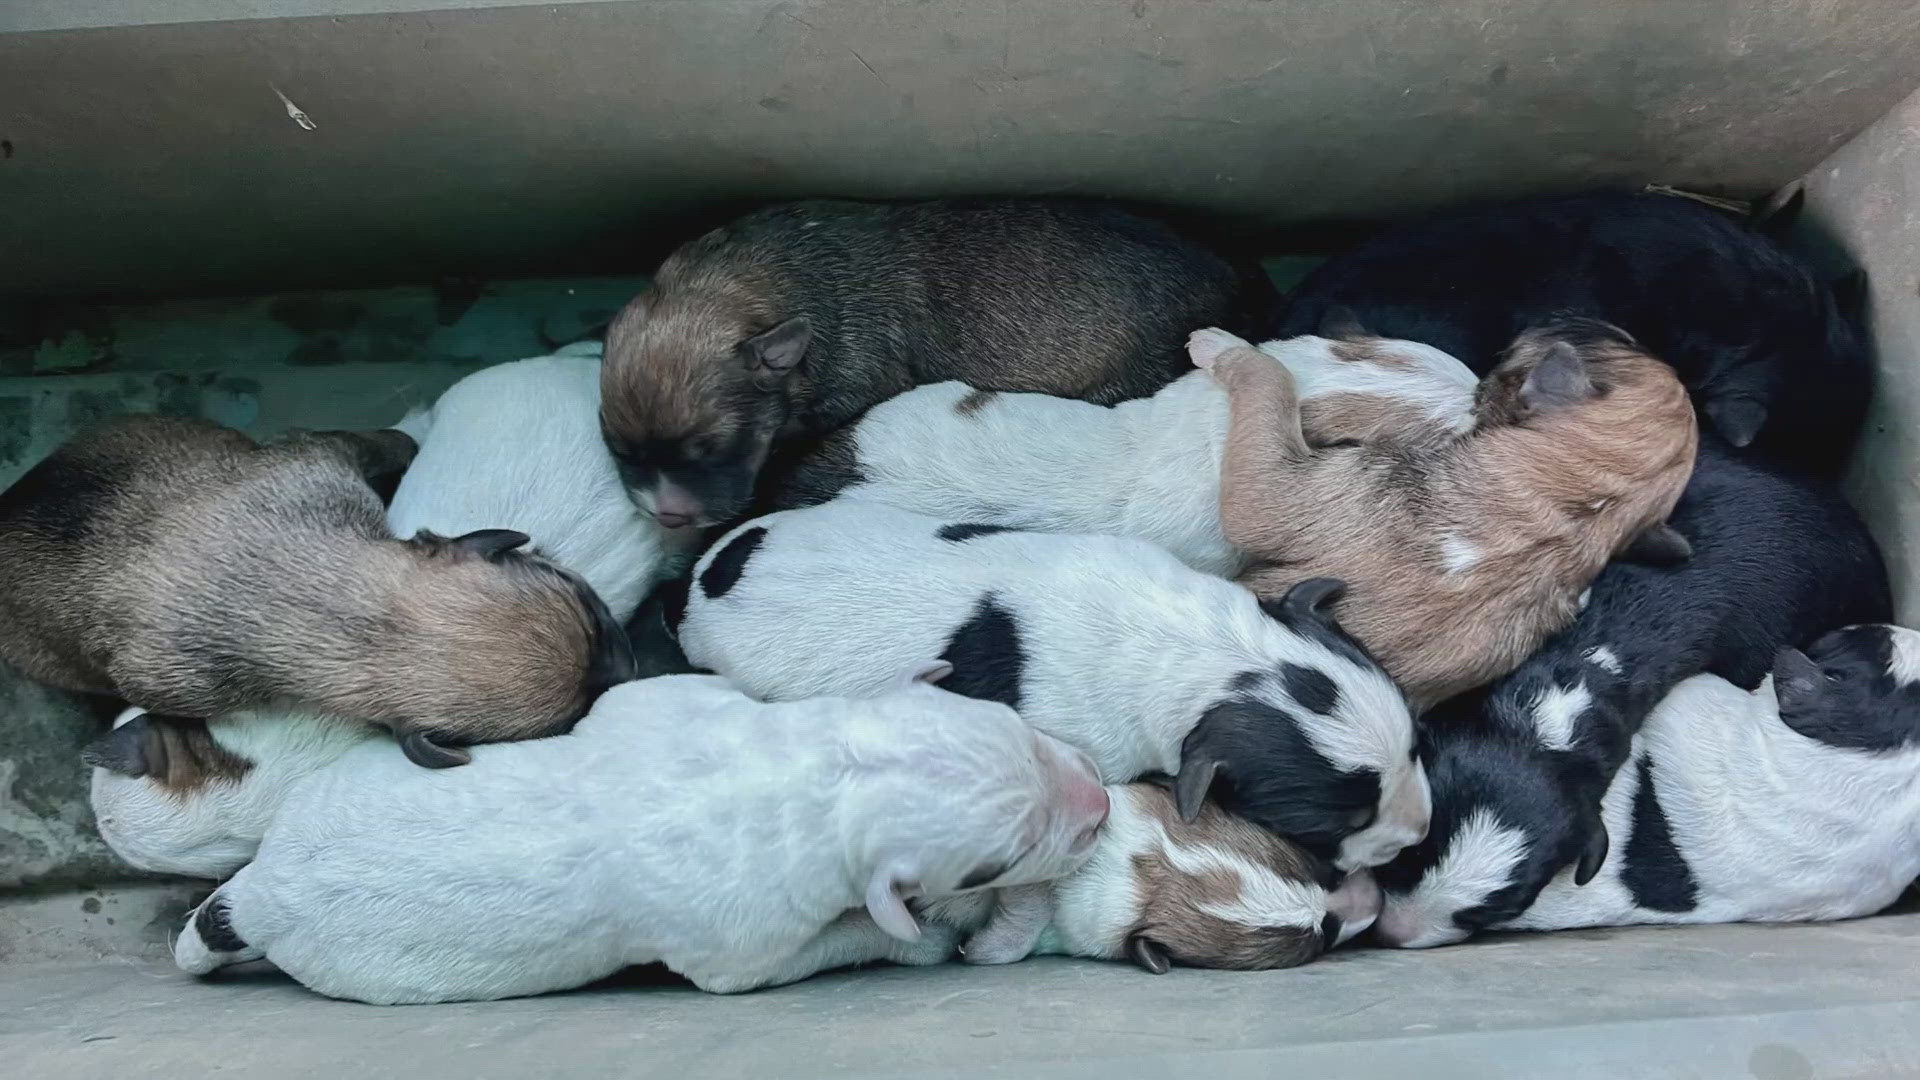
1339 321
1594 855
1737 419
135 748
1661 545
1308 601
489 544
1797 680
1191 786
1148 954
774 354
423 751
922 671
887 903
1560 379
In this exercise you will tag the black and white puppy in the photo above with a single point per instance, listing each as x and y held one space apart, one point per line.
1110 644
1773 357
1796 801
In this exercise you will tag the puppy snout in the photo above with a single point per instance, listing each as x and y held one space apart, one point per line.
674 507
1356 903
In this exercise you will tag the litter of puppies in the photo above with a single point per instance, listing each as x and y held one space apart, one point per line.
1042 605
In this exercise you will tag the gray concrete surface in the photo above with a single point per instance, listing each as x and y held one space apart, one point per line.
1766 1003
1866 198
508 140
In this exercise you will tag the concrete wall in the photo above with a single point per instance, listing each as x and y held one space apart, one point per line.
507 140
1866 199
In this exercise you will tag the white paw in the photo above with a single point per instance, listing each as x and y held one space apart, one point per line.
1206 346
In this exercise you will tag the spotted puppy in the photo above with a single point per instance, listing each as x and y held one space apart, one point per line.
1110 644
1213 892
680 822
1463 554
1796 801
1147 468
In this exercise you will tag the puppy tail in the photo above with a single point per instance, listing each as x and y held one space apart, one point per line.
208 941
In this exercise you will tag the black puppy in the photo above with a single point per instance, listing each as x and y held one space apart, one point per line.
1777 562
1774 358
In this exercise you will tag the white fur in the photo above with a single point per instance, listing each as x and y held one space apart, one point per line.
1125 647
679 822
518 446
1555 713
1479 860
1904 664
1605 658
1147 468
1459 554
211 831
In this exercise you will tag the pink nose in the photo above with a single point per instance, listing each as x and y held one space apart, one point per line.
1091 800
675 506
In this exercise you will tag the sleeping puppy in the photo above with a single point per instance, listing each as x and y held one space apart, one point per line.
680 822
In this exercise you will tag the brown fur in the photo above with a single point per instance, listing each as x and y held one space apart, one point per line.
188 570
975 401
1545 496
1178 910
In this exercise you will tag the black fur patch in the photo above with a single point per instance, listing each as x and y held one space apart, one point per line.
983 874
723 573
58 498
1857 704
969 530
987 657
1329 930
1653 869
214 923
1310 688
1272 774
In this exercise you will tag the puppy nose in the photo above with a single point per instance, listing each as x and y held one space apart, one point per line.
671 520
1356 902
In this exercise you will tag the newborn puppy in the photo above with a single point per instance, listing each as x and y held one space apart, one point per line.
1110 644
679 822
1148 468
180 566
1463 554
517 446
790 322
1213 892
1773 357
1796 801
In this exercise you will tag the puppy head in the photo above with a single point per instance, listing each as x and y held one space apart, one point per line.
1856 688
1214 891
693 391
494 644
1319 747
963 795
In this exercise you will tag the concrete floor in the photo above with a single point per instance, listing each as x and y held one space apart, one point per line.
1770 1003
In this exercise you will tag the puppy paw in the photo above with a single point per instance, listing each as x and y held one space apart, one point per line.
1206 346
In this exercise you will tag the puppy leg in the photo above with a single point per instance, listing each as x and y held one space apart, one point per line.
1020 915
1266 448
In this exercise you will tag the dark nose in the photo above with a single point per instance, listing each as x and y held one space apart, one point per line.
670 520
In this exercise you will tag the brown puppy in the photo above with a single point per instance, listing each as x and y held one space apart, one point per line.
179 565
793 320
1463 554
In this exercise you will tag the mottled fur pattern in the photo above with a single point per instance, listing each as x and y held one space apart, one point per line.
1214 892
1462 555
1777 561
1771 355
1147 468
793 320
1798 800
188 570
1108 643
518 446
679 822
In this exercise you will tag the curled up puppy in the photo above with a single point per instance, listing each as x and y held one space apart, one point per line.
1108 643
1461 555
192 572
741 844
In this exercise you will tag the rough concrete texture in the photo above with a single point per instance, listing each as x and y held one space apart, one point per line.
119 922
1867 198
1766 1003
264 364
545 138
